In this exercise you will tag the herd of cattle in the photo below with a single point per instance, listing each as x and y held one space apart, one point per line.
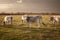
31 19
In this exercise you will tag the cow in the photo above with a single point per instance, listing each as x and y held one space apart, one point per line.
7 19
24 17
55 19
32 19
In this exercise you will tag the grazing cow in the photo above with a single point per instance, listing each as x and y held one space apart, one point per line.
55 19
7 19
32 19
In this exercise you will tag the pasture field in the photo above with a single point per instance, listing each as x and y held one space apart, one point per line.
19 31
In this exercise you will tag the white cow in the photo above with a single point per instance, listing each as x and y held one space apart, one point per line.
7 19
55 19
24 17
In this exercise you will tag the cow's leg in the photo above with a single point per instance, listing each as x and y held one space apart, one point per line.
30 24
11 22
3 22
38 23
22 21
54 21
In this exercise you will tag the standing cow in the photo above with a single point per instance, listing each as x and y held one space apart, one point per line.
24 17
32 19
7 19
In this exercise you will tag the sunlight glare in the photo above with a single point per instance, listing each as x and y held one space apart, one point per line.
3 6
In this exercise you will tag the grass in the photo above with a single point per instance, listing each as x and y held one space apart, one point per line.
25 33
19 31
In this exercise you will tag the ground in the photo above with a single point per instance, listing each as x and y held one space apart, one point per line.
19 31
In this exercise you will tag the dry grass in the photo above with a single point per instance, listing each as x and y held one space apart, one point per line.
19 31
17 20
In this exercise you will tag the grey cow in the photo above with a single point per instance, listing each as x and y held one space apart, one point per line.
33 19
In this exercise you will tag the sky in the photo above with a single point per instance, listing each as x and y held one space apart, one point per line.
34 6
